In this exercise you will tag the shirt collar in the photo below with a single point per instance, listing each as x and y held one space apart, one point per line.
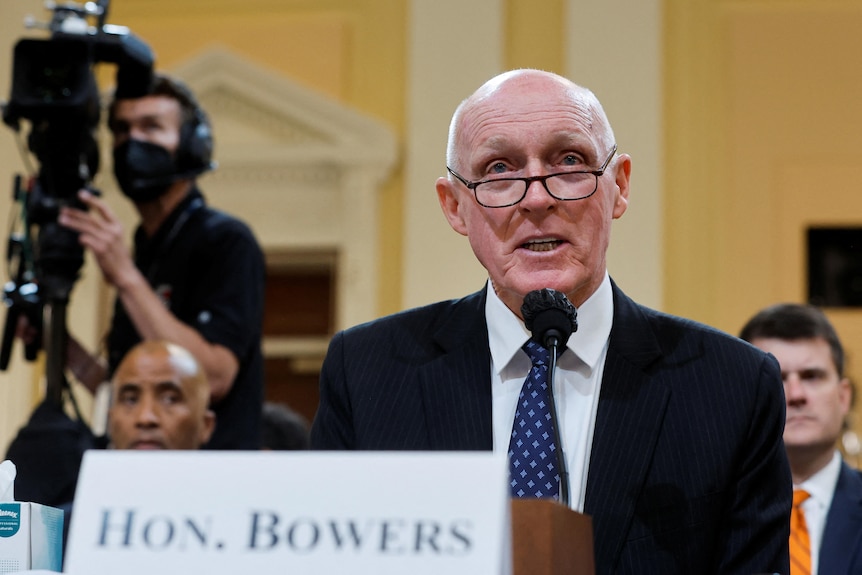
821 485
507 333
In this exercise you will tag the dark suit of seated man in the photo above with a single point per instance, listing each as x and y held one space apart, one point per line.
818 396
671 430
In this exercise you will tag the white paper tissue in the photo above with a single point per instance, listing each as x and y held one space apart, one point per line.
7 481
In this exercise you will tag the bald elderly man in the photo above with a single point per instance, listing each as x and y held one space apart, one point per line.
670 430
160 399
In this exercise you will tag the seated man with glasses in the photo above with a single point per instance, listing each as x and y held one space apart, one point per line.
671 431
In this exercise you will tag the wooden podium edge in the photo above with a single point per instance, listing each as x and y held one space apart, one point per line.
550 539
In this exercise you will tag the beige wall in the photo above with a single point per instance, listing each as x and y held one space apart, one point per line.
763 116
437 262
619 58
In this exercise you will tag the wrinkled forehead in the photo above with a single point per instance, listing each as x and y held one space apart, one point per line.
547 104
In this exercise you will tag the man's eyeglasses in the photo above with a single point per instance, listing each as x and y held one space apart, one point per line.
504 192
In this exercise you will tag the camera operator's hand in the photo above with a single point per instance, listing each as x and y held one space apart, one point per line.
102 233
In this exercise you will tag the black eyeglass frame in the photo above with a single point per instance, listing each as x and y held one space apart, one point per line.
528 181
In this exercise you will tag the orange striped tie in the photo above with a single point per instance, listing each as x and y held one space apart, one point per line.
800 544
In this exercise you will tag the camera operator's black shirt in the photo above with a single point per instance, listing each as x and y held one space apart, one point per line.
207 267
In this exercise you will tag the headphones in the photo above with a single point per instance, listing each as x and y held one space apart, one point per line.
194 154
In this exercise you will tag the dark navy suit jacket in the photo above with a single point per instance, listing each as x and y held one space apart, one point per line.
688 472
841 547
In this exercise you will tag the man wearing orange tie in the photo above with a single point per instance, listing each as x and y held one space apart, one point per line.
826 521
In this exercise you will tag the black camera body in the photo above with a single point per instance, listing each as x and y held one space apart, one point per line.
53 86
54 89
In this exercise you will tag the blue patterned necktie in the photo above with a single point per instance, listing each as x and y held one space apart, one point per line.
532 454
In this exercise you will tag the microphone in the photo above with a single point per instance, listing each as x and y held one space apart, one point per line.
551 318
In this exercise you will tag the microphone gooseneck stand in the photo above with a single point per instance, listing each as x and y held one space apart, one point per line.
562 466
551 318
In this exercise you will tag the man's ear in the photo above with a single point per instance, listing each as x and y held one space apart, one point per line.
845 394
208 426
622 175
450 203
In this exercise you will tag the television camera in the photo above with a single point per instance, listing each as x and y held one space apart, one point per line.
54 89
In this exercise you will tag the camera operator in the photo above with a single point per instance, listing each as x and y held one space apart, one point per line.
197 275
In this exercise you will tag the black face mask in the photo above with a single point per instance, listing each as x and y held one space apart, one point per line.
143 170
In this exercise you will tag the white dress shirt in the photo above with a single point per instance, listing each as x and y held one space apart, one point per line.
576 384
821 488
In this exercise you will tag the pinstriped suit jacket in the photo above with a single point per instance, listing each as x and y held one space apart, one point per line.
688 472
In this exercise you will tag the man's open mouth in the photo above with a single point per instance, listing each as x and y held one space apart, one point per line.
541 245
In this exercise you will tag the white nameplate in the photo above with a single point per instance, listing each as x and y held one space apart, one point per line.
257 513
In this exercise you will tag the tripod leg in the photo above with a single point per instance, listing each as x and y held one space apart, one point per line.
12 314
55 350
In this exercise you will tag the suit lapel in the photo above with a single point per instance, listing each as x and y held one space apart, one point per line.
843 530
630 413
456 383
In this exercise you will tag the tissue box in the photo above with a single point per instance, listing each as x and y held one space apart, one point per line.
31 537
